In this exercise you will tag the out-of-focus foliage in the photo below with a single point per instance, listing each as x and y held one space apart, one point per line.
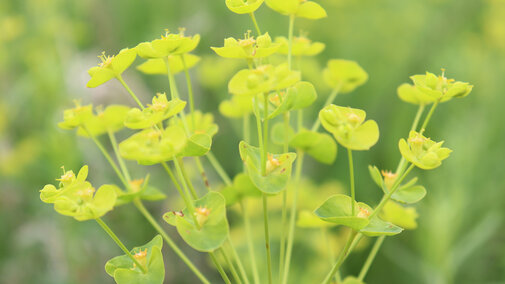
46 47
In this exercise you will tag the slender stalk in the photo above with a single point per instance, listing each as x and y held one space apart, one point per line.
120 79
236 257
190 92
120 160
292 217
290 38
267 237
260 139
219 268
250 243
420 110
186 178
246 128
202 173
219 169
119 243
284 203
264 151
371 257
428 116
328 101
231 267
351 180
353 239
253 18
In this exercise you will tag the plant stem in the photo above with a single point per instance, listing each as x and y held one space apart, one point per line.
353 239
371 257
351 180
230 265
186 178
290 39
120 79
253 18
250 243
120 160
119 243
219 268
219 169
190 92
284 203
420 110
265 137
202 173
328 101
246 128
238 261
428 116
267 237
292 217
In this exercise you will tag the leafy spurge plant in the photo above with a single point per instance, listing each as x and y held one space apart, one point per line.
167 134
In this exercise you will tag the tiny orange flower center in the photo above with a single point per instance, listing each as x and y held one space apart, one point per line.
363 213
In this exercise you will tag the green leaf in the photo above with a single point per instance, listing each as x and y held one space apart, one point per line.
277 133
399 215
346 75
307 219
310 10
211 213
278 168
409 194
125 271
241 7
199 123
378 227
197 145
376 175
318 145
157 66
152 146
410 94
337 209
169 44
241 188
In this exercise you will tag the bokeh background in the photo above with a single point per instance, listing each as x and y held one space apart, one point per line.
46 47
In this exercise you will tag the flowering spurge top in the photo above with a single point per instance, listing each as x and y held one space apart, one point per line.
298 8
153 146
346 75
124 270
210 214
111 67
243 7
349 127
77 198
440 88
160 109
247 48
168 44
302 46
89 124
423 152
407 193
263 79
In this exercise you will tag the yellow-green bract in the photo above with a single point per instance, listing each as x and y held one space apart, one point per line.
423 152
111 67
160 109
302 9
344 75
243 7
247 48
440 88
169 44
177 63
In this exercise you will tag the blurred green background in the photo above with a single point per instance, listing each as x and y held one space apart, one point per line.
46 47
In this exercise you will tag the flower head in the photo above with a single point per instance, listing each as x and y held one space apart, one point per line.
423 152
111 67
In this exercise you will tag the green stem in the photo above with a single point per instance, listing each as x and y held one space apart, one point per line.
238 261
219 169
185 195
351 180
202 173
290 39
353 239
428 116
219 268
267 237
253 18
328 101
246 128
120 79
120 160
420 110
371 257
230 265
284 203
119 243
186 178
292 217
250 243
264 151
190 92
260 139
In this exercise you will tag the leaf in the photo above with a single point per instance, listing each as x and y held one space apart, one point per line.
310 10
400 215
300 96
158 66
236 107
241 7
278 169
363 137
213 231
318 145
337 209
376 175
307 219
378 227
124 270
197 145
111 119
346 75
277 133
